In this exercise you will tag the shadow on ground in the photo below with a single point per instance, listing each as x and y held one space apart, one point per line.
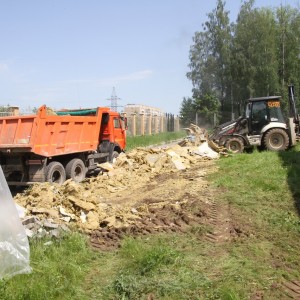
291 160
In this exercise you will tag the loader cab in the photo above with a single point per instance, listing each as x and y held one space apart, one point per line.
261 112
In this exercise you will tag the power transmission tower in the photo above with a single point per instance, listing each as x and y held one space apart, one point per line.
114 100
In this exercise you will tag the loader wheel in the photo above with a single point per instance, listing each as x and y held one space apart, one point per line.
235 145
55 172
276 140
75 170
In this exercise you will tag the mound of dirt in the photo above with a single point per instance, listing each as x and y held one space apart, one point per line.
114 198
146 190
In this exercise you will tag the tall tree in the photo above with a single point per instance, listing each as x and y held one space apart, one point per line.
208 106
187 111
288 41
257 56
210 56
254 50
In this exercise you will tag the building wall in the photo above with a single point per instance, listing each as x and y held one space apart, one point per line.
142 109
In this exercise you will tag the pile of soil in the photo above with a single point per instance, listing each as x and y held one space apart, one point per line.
125 194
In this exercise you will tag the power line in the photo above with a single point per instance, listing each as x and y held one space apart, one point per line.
114 100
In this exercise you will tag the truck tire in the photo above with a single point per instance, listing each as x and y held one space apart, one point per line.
276 140
55 172
235 145
115 154
75 170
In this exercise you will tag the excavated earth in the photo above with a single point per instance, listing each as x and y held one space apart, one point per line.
148 190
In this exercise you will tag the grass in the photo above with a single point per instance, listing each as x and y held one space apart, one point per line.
154 139
262 190
58 270
264 183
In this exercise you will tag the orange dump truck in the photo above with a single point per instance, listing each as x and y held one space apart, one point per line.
57 146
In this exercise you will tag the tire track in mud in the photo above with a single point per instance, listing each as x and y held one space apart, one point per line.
220 221
165 219
291 288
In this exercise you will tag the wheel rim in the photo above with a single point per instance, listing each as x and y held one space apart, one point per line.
234 147
78 173
277 140
56 177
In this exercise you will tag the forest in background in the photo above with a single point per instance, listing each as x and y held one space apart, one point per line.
258 55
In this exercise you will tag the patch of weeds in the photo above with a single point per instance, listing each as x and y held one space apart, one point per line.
227 294
154 267
57 271
183 284
200 230
126 285
144 258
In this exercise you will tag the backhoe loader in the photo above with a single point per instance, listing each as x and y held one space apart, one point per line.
262 124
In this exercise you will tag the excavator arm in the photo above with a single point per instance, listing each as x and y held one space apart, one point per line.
293 109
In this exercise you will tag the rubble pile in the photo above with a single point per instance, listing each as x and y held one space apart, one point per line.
196 136
37 228
106 200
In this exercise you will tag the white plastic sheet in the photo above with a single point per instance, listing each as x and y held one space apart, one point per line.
14 246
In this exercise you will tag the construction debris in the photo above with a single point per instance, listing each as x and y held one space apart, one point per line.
196 134
36 228
93 203
205 151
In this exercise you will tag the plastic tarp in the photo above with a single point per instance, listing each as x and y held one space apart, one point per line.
84 112
14 246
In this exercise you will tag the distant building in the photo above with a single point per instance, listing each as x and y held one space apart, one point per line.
9 111
142 109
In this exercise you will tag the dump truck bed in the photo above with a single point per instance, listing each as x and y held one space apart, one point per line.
50 135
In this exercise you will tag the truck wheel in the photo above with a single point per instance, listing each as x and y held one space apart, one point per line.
276 140
75 169
235 145
55 172
114 156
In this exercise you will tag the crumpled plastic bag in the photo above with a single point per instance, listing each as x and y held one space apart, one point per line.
14 246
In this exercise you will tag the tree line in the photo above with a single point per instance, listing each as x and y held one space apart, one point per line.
258 55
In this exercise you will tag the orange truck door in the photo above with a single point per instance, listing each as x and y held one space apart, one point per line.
119 132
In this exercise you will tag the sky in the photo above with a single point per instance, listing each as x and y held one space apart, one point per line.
72 53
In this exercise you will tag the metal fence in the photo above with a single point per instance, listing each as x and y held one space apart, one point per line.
6 113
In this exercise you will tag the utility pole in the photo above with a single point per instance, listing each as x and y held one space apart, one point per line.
114 100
